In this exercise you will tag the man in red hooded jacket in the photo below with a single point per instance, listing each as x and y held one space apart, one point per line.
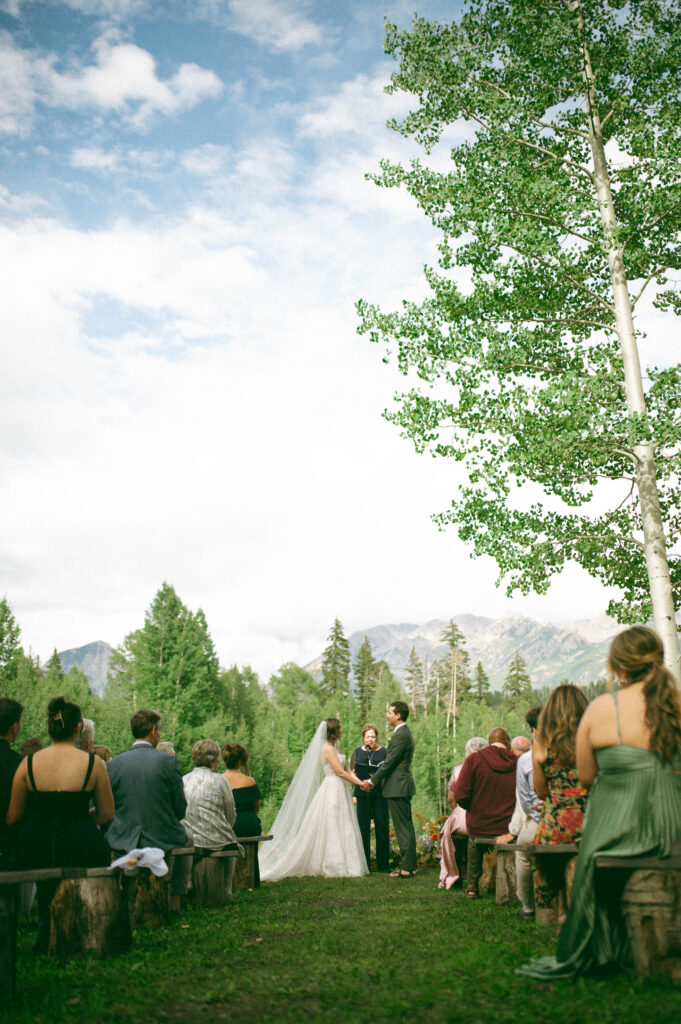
485 789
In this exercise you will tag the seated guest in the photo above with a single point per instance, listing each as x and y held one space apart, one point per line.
166 747
629 757
556 782
31 745
10 727
51 796
455 823
246 794
210 812
103 752
86 740
150 801
365 762
520 745
485 789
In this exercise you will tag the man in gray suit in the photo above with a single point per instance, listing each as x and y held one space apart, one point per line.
397 785
149 800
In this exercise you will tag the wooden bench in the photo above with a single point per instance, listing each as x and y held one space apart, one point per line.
244 870
88 914
562 861
651 904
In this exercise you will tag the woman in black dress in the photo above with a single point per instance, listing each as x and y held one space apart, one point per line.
246 795
364 762
50 806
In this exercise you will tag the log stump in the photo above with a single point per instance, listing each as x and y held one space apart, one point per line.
147 899
212 880
651 904
244 868
506 876
89 915
489 871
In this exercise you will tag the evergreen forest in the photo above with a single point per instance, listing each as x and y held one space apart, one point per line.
170 664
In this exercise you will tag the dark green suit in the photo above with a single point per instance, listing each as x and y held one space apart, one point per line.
397 785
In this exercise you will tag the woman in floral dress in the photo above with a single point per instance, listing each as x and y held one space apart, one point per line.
555 780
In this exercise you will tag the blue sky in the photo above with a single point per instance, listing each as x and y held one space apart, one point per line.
184 230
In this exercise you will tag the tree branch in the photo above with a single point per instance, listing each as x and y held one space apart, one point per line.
650 277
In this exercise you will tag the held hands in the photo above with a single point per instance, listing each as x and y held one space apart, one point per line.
367 786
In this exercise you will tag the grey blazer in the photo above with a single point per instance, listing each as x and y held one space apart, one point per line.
148 800
394 776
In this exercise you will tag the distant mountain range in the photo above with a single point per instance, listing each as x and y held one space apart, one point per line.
576 652
92 659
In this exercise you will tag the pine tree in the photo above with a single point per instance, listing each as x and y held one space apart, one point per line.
364 670
480 687
414 678
517 685
10 648
336 663
170 664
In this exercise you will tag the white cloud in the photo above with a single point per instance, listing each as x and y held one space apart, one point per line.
123 80
17 89
277 24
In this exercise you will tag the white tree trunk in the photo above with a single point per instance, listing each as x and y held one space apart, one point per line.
644 456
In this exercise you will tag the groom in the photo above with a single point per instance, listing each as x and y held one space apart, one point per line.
398 787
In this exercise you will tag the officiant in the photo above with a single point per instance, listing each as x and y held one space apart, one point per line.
365 762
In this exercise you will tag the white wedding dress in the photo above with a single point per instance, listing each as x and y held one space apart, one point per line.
316 830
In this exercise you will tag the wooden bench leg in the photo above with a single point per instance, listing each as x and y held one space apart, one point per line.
89 915
9 908
651 903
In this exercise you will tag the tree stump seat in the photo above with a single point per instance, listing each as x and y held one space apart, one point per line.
88 915
212 879
559 861
651 904
244 868
505 891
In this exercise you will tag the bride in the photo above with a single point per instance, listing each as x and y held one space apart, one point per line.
316 830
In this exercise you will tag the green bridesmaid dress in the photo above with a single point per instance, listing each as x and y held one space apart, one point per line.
633 810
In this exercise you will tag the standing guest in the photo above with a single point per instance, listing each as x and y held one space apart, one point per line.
246 796
556 782
31 745
150 801
364 762
530 811
51 796
10 727
210 811
455 823
397 782
629 757
485 788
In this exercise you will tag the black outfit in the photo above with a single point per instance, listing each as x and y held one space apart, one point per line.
364 763
58 831
247 821
9 762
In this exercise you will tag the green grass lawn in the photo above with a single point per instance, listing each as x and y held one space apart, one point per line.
363 950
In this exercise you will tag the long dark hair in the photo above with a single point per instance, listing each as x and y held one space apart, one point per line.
638 654
63 717
559 719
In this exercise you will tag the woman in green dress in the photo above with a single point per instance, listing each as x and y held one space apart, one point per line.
629 757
